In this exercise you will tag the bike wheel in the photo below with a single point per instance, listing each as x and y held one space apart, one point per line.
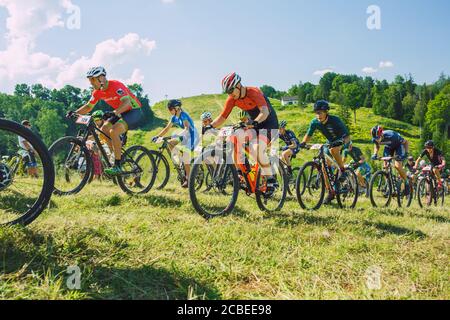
425 193
23 198
139 171
347 192
380 190
292 180
73 165
220 197
405 194
272 201
162 170
310 186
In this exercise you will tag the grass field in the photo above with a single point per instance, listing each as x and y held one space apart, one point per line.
156 247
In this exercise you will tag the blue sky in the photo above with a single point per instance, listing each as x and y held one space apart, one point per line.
196 42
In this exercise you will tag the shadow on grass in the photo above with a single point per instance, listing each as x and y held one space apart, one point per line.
24 252
387 229
162 201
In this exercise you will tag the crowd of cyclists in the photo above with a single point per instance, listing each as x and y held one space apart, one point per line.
257 116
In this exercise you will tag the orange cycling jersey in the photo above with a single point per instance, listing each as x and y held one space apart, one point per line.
114 94
254 99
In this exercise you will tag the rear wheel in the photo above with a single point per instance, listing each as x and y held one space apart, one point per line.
139 171
268 200
73 165
220 196
310 187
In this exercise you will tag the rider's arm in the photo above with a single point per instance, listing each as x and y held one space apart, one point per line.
306 139
165 130
406 144
85 109
27 146
218 122
263 114
376 149
363 160
124 105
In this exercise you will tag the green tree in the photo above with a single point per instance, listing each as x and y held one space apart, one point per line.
326 84
394 98
40 92
438 117
50 125
269 91
22 90
353 96
409 104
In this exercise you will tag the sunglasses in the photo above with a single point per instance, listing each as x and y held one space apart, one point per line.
231 91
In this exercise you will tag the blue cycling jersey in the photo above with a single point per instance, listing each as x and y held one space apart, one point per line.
179 122
289 138
390 139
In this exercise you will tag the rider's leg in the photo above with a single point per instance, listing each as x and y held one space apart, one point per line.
336 153
287 155
362 181
116 131
437 173
107 128
260 149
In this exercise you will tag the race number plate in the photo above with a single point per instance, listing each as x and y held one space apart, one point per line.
83 120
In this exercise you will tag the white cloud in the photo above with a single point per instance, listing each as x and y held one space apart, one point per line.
19 62
167 1
136 77
369 70
386 64
322 72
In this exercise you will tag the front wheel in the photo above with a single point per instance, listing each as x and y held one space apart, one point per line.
425 193
347 191
310 186
380 190
162 170
73 165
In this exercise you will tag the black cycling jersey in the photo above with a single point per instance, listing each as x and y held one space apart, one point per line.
437 159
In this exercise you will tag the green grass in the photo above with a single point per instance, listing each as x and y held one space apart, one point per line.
156 247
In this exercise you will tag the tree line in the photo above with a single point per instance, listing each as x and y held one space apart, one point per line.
46 109
426 105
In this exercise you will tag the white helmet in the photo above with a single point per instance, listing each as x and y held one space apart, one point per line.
206 116
96 72
230 82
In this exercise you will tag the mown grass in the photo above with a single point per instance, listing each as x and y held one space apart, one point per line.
156 247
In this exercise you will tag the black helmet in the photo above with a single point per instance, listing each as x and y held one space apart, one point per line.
174 104
321 105
429 144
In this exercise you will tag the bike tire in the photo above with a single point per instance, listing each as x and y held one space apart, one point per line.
160 159
352 173
48 173
422 187
260 195
120 180
298 186
228 169
87 157
372 185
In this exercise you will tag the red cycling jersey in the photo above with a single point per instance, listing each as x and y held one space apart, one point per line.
113 95
254 99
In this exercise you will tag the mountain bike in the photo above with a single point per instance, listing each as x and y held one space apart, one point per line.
385 185
163 168
227 177
73 163
428 192
22 198
15 165
310 187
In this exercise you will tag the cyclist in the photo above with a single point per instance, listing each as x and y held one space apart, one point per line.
291 149
127 114
28 154
395 145
337 135
263 118
362 168
411 169
436 158
188 138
